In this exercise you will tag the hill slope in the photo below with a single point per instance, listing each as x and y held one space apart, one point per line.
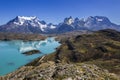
77 58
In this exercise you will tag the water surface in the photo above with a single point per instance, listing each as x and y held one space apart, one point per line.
11 56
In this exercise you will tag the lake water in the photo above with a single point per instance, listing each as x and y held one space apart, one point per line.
11 57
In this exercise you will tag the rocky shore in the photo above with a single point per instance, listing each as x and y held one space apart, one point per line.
31 52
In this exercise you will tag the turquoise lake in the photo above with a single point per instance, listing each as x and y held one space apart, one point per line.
11 57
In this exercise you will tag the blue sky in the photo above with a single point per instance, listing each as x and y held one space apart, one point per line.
56 10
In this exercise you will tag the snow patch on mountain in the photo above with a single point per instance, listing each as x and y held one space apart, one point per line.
99 19
22 19
27 18
42 26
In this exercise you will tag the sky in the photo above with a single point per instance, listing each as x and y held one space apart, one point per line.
54 11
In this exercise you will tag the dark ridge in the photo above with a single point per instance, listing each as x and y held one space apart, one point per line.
113 34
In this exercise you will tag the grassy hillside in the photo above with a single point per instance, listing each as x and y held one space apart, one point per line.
101 48
76 59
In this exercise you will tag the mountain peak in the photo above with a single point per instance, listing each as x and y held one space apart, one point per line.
33 24
20 20
98 18
102 18
76 19
70 17
27 17
68 20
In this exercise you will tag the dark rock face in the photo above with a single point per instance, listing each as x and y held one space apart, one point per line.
70 45
65 28
31 52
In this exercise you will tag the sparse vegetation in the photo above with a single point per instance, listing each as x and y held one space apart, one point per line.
76 58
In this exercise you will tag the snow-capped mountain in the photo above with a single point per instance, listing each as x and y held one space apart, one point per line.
92 23
67 25
99 22
69 20
22 24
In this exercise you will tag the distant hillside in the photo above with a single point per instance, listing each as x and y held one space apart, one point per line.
20 36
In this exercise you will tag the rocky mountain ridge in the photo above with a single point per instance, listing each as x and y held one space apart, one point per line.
22 24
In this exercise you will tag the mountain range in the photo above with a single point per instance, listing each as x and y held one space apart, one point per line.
23 24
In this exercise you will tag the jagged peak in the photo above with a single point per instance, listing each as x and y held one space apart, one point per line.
91 17
20 20
76 19
68 20
98 17
70 17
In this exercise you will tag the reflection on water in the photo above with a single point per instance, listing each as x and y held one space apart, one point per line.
23 46
11 57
